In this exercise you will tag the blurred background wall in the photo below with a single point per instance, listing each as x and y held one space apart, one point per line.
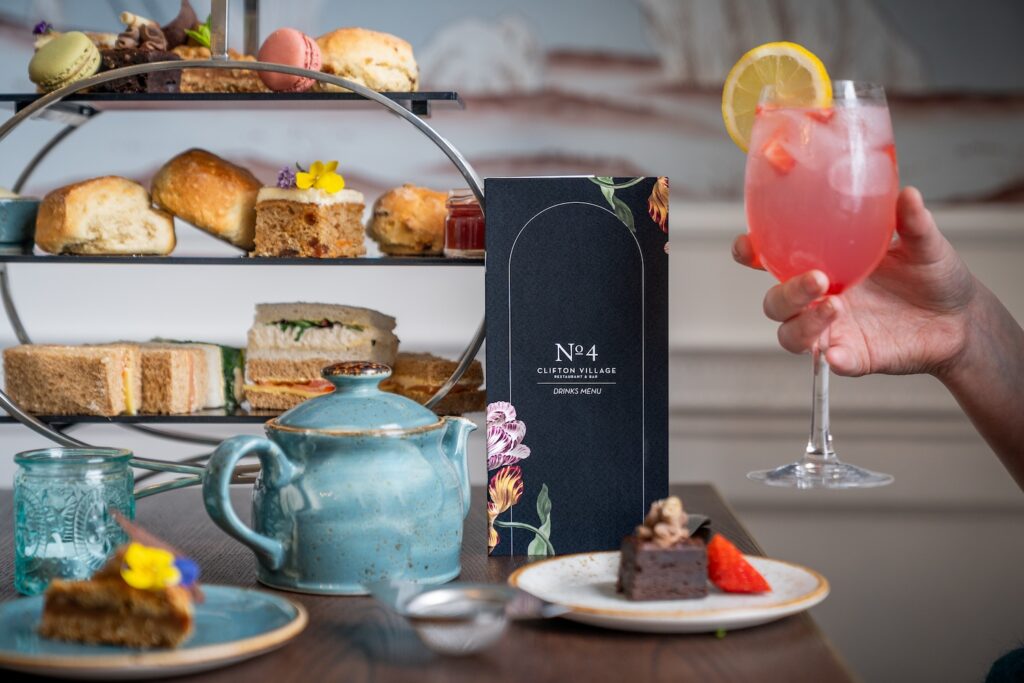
925 572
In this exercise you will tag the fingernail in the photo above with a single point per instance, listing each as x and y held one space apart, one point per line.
813 283
827 309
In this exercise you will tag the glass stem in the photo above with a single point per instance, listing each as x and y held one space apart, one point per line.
819 445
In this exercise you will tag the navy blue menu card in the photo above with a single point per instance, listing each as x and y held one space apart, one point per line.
577 360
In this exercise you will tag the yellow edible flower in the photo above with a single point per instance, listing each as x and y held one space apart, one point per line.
321 176
149 568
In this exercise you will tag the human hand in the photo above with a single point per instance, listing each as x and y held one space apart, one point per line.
911 315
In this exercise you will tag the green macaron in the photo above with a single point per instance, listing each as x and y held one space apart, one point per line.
67 58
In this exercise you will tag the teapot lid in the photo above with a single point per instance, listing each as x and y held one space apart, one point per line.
357 404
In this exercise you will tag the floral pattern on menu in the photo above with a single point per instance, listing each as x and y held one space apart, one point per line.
657 203
505 452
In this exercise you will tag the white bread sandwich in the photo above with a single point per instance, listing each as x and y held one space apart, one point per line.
74 380
109 215
224 373
290 343
419 375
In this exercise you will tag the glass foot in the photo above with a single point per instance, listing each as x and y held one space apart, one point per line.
808 474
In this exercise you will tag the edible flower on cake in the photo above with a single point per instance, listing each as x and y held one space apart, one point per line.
321 176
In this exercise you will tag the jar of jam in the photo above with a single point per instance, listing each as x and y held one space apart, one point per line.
464 226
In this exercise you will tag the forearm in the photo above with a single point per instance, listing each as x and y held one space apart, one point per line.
987 379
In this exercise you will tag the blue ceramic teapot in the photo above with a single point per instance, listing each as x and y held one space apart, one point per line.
356 486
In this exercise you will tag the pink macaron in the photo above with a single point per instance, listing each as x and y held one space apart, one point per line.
291 48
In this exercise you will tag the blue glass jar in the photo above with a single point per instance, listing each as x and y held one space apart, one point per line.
62 527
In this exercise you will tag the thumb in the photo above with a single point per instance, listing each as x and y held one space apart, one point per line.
845 362
919 237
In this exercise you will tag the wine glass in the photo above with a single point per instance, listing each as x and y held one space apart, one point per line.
821 187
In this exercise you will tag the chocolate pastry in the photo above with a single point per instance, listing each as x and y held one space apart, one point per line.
661 561
141 33
154 82
174 32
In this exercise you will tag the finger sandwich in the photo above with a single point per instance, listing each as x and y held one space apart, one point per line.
290 343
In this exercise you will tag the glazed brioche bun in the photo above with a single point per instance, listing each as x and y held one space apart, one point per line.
380 61
409 221
211 193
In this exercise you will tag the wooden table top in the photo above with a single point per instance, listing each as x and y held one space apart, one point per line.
355 639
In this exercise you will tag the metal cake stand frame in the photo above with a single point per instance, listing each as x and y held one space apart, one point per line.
74 117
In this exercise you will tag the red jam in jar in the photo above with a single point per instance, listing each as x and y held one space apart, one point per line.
464 226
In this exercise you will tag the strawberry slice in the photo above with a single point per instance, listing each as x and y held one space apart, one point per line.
730 571
822 115
776 155
890 151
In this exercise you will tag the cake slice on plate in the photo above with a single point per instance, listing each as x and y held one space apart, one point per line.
143 597
661 560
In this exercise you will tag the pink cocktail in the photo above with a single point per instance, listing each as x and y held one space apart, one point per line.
821 190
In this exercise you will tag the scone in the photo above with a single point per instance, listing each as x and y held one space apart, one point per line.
211 193
380 61
107 215
419 375
409 221
218 80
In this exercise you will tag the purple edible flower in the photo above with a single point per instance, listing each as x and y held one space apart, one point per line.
188 569
41 28
286 178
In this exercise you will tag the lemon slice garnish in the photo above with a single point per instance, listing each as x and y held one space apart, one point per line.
799 78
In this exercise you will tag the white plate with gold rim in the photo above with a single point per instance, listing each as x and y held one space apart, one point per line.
584 583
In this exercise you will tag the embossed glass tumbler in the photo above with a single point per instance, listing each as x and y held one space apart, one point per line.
62 527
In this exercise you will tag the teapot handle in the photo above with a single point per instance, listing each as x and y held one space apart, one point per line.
276 471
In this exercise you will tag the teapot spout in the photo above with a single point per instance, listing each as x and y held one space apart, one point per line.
456 436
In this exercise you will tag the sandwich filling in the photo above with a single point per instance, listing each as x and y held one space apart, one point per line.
299 327
316 387
127 379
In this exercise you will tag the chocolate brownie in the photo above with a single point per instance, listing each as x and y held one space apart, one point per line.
154 82
649 572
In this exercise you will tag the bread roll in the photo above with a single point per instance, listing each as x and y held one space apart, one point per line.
107 215
409 221
211 193
380 61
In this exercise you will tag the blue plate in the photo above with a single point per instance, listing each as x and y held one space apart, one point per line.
231 625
